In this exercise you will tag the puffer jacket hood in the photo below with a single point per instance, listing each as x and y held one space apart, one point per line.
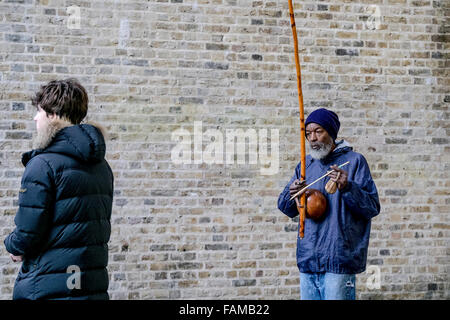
84 142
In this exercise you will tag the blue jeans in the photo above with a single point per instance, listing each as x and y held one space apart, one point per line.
327 286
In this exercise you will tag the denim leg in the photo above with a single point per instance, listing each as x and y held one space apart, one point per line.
309 286
339 286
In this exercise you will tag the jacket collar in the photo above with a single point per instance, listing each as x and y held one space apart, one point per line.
84 141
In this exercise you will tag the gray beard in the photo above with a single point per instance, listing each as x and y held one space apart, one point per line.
45 135
322 152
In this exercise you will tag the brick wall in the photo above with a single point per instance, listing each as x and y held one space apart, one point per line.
199 230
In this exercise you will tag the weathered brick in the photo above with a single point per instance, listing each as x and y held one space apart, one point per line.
396 192
190 100
210 231
257 57
347 52
163 247
217 246
216 65
216 46
244 283
107 61
439 140
18 135
137 62
257 21
20 38
18 106
396 141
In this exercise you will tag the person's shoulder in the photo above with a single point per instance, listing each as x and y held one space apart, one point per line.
38 160
355 154
37 169
357 159
46 161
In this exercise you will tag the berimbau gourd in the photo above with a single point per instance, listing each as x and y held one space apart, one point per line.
316 203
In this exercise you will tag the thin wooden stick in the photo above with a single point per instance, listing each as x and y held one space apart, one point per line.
302 208
326 174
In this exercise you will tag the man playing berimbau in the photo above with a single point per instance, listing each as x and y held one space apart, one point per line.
334 247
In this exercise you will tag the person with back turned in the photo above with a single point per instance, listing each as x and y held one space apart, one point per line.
334 247
65 202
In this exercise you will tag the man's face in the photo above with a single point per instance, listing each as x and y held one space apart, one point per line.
42 119
320 142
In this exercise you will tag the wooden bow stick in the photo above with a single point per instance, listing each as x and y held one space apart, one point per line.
302 206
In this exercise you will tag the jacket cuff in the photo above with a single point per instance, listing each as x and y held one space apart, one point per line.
9 247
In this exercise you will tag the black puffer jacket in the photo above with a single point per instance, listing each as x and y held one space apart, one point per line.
63 221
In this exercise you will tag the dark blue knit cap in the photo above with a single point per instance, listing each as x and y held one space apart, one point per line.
326 119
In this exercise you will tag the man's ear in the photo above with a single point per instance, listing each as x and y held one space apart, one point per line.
52 116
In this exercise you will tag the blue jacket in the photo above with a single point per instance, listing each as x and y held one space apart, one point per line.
337 242
63 221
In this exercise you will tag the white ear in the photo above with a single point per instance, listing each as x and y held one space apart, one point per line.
53 116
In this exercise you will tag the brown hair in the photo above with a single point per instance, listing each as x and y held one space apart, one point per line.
65 98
